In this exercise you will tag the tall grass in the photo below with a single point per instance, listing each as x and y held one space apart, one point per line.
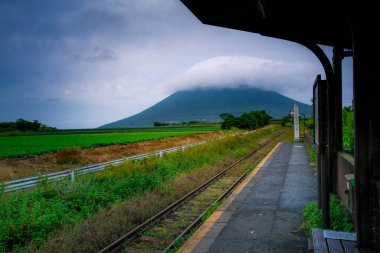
35 215
312 154
348 130
340 218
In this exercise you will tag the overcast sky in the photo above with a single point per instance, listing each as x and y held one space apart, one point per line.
81 64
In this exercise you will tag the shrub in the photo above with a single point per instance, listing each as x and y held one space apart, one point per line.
340 219
348 129
285 120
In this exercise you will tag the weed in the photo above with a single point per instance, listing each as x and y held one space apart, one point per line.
348 130
68 156
340 219
1 188
312 154
32 217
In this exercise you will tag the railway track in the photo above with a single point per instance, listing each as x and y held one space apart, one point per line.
165 230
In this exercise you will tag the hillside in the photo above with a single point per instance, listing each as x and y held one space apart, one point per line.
208 104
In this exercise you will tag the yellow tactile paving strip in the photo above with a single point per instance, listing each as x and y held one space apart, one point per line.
205 228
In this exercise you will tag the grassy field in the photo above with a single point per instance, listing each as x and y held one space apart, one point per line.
86 212
23 145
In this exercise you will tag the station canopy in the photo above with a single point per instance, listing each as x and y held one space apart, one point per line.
322 22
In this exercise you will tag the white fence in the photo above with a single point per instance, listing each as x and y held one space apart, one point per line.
28 182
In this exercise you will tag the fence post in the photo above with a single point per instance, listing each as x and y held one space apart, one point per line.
161 153
72 175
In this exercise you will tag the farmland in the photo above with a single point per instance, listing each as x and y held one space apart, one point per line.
31 220
33 144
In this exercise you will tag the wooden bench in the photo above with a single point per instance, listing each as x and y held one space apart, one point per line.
330 241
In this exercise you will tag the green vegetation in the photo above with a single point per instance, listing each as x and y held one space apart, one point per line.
189 123
251 120
157 124
309 123
310 126
34 216
312 154
339 216
286 120
23 145
209 211
24 125
348 129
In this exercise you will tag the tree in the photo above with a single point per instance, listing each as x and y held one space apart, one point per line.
285 120
228 120
251 120
158 124
35 125
24 125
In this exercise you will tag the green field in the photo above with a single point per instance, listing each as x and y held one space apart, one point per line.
23 145
30 218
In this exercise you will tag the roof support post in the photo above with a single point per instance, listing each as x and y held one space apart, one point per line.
335 100
320 94
325 148
367 136
338 55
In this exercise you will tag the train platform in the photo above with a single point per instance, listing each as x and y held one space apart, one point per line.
264 213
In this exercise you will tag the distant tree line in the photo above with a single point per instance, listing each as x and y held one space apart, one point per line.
25 125
158 124
250 121
285 120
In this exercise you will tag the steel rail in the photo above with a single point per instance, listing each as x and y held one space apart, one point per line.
197 222
225 194
117 245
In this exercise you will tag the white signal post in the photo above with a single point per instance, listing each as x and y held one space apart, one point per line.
296 123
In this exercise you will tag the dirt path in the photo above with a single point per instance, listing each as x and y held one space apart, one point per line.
75 157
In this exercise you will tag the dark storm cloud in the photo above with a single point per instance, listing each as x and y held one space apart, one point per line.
73 63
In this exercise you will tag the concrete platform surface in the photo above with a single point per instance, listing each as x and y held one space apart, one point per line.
265 212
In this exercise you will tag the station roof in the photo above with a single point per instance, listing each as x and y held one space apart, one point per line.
306 21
